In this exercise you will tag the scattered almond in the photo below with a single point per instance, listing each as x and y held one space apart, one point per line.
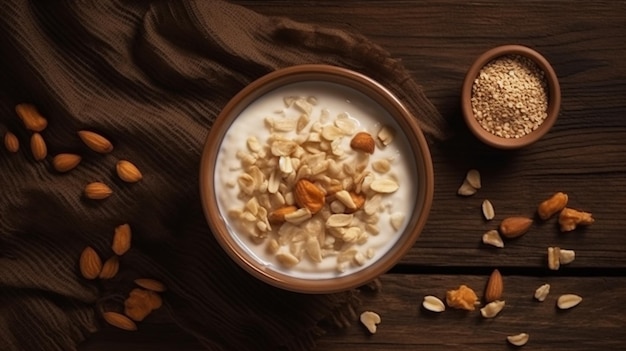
151 284
138 304
309 195
370 320
513 227
488 211
121 239
11 142
110 268
38 147
119 320
433 304
97 191
570 218
90 263
31 118
568 301
363 141
552 205
95 141
473 179
494 287
466 189
65 162
518 340
128 172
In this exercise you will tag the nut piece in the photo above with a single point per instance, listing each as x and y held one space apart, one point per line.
488 211
127 171
553 258
473 178
494 287
110 268
278 215
462 298
513 227
386 135
566 256
492 309
38 147
518 340
363 141
466 189
96 142
31 118
65 162
151 284
433 304
97 191
119 320
121 239
11 142
370 320
90 263
309 196
492 237
140 303
542 292
570 218
552 205
568 301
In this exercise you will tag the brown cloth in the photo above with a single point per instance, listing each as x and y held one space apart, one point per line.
151 77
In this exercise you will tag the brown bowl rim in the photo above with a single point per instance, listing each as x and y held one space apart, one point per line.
373 90
554 97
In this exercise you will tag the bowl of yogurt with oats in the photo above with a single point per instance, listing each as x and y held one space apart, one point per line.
316 179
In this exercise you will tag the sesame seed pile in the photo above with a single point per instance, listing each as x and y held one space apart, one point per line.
509 96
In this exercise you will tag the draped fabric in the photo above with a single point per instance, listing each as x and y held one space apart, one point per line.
151 77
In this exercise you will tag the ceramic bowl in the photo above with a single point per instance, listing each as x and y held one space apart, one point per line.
314 254
553 92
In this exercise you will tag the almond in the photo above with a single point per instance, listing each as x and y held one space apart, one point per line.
121 239
363 141
150 284
11 142
31 118
96 142
495 287
119 320
38 147
110 268
552 205
65 162
278 215
90 263
128 172
138 305
97 191
359 201
512 227
309 196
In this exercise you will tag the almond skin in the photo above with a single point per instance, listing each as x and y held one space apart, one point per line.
363 141
90 263
121 239
309 196
65 162
97 191
95 141
11 142
119 320
513 227
110 268
495 287
31 118
38 147
128 172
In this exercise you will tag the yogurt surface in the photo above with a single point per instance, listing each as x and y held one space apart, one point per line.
330 101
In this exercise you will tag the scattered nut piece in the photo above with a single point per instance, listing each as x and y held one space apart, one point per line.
513 227
363 141
566 256
518 340
151 284
568 301
384 186
95 141
278 215
494 287
90 263
127 171
110 268
31 118
488 211
38 147
370 320
140 303
542 292
570 218
97 191
287 259
553 258
121 239
119 320
433 304
65 162
11 142
462 298
492 237
386 135
492 309
473 178
466 189
397 219
552 205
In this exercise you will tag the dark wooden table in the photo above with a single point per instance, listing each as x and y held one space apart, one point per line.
584 155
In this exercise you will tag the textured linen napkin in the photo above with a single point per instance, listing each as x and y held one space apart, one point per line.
151 77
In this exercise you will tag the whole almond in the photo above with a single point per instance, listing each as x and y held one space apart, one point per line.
309 196
121 239
128 172
95 141
495 287
65 162
552 205
97 191
11 142
512 227
38 147
363 141
90 263
119 320
110 268
151 284
31 118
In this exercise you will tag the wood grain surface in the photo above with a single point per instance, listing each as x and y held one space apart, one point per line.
584 155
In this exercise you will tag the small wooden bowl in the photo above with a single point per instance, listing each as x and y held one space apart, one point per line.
554 97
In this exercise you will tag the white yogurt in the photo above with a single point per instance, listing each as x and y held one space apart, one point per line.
336 99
